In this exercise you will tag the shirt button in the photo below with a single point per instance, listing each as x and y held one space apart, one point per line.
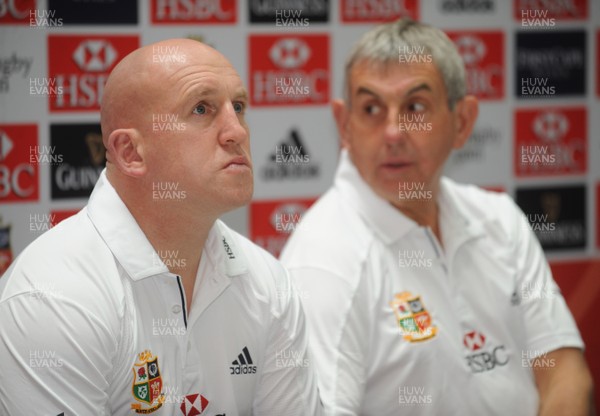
176 308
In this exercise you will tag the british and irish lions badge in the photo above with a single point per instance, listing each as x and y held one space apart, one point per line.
147 384
413 319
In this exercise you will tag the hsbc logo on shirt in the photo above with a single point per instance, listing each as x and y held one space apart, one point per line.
19 178
551 9
480 357
16 12
474 340
550 141
193 404
366 11
81 65
193 11
289 69
483 55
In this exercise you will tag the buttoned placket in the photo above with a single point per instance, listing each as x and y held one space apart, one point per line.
437 248
206 291
174 298
209 285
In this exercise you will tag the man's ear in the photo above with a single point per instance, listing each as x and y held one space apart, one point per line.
341 114
126 150
465 113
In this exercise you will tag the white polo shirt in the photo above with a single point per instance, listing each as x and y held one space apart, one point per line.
401 326
93 323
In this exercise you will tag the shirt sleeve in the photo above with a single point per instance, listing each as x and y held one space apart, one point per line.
55 356
338 321
547 319
288 384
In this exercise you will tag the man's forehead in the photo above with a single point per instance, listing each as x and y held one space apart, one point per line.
198 83
175 55
187 47
389 76
212 79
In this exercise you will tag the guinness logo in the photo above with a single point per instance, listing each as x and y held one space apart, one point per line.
96 148
550 202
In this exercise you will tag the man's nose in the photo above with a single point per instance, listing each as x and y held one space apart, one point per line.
393 132
232 130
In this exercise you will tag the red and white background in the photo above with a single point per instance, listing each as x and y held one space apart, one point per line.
534 64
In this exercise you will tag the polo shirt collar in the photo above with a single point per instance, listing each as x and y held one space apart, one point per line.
457 227
384 219
222 247
128 243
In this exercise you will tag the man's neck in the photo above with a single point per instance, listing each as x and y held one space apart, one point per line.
176 231
178 238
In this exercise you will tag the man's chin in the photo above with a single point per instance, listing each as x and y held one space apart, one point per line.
235 199
389 192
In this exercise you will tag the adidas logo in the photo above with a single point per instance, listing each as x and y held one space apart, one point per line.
243 364
290 151
290 160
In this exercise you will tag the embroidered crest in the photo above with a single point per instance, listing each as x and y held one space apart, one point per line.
413 319
147 384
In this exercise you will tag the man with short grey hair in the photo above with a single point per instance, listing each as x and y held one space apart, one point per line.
424 296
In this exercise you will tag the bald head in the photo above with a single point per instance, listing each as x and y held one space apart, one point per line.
173 112
144 78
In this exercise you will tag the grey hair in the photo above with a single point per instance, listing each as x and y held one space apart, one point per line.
381 46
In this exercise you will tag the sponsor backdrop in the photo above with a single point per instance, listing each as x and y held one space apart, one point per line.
534 64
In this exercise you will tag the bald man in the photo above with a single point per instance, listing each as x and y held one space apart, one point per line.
145 302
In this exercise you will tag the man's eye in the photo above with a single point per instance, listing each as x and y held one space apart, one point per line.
373 109
418 107
238 107
200 109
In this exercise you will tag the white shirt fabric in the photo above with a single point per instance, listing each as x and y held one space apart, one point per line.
93 323
401 326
